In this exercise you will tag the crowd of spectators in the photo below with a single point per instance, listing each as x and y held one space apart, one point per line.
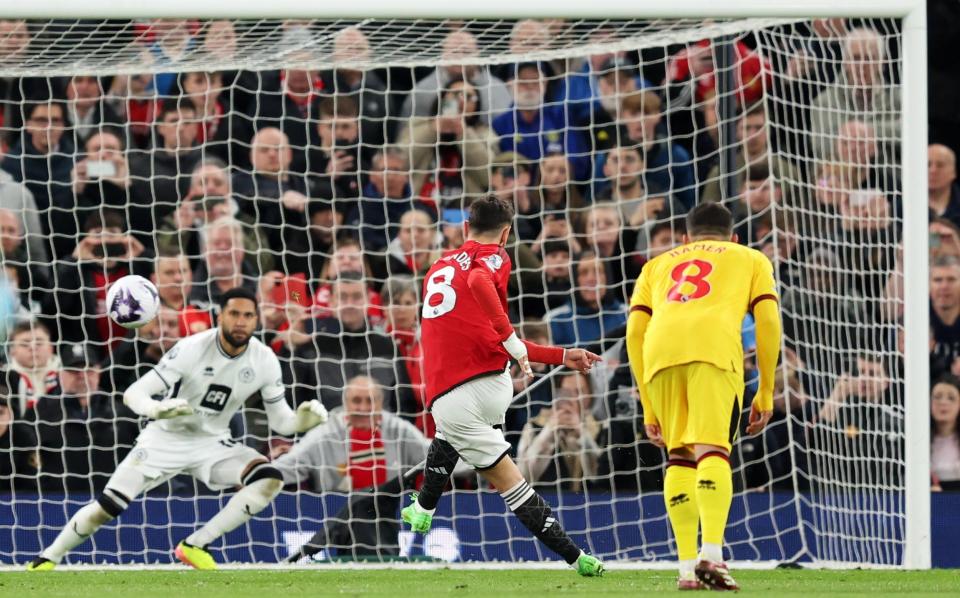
330 192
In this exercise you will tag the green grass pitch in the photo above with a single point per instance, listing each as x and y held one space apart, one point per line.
453 582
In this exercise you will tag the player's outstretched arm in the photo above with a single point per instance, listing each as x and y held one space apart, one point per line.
767 317
280 417
139 398
284 420
575 359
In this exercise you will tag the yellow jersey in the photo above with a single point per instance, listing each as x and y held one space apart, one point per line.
697 296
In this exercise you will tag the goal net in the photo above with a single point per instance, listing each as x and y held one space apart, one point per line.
325 164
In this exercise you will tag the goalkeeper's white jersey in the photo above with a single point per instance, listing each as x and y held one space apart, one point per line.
216 385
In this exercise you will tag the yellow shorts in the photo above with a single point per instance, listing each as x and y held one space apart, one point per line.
696 403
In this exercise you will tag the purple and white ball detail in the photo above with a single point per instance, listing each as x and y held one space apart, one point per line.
132 301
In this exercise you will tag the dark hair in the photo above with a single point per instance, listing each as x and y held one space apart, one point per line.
673 225
175 105
953 381
238 293
46 99
471 120
168 251
709 218
182 79
554 245
950 379
109 130
490 214
572 195
348 276
106 218
22 327
753 110
341 106
535 327
758 171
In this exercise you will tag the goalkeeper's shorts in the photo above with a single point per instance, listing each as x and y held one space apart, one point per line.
696 403
158 456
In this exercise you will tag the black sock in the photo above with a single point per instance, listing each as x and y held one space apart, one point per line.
441 459
535 514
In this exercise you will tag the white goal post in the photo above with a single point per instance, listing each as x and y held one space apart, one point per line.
913 150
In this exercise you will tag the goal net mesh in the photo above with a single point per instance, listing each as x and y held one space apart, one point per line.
286 156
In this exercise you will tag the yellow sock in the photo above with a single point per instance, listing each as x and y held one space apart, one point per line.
714 495
679 494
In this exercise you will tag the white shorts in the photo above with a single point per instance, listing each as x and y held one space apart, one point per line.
158 456
466 417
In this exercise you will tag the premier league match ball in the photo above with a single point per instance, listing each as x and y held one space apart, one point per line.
132 301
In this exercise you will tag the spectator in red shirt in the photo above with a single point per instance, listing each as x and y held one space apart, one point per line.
400 299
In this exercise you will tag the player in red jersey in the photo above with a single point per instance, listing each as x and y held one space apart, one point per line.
468 342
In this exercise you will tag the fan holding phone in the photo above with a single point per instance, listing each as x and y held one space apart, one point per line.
285 302
106 240
103 172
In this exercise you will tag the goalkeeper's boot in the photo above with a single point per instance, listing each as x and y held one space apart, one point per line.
41 564
589 566
416 518
716 576
195 556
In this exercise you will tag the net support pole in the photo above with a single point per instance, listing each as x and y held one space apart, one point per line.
726 64
916 290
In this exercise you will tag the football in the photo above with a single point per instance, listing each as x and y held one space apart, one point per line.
132 301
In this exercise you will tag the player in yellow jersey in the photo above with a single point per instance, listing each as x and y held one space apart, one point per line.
683 340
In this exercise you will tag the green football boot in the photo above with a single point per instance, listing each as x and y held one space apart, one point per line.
589 566
416 518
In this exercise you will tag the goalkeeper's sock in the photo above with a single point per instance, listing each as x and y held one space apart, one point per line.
246 503
441 459
83 523
680 496
535 514
714 495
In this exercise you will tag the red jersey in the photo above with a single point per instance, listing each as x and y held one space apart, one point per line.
459 342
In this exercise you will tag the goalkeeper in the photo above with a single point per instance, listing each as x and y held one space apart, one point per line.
204 379
683 341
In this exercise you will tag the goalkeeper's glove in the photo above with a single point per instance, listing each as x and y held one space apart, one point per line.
168 408
518 351
309 415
